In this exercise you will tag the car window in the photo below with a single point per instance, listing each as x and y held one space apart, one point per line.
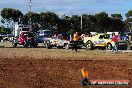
30 35
60 37
101 37
106 36
66 36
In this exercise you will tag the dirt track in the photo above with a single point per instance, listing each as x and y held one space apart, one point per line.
58 68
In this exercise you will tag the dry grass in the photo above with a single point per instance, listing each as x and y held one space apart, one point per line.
41 52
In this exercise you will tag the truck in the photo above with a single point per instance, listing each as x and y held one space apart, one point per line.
23 36
19 28
26 39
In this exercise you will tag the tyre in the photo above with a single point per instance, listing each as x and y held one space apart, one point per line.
35 44
26 44
89 45
125 47
66 46
131 48
48 46
109 46
14 44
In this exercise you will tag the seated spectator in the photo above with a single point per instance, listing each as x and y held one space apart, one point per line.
125 37
119 37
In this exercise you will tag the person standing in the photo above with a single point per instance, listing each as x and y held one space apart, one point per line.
125 37
75 40
68 42
115 40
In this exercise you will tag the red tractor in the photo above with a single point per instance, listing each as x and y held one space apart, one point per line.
26 39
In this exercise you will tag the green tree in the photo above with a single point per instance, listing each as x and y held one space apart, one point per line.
49 20
64 25
76 23
128 21
102 24
2 29
35 20
116 16
89 23
11 15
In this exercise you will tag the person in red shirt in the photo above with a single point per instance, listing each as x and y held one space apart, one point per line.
115 39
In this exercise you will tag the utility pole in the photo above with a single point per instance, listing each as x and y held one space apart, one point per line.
30 21
81 23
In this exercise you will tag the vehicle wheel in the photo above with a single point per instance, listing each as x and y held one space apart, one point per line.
66 46
89 45
125 48
109 46
130 48
25 44
14 44
35 44
48 46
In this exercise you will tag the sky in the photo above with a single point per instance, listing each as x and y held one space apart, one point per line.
70 7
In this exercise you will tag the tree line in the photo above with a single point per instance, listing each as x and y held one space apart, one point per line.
100 22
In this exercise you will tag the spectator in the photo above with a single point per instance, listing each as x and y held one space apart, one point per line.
125 37
119 37
68 43
115 39
75 40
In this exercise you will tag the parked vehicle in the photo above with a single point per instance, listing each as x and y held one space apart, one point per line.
44 33
58 41
102 41
40 39
26 39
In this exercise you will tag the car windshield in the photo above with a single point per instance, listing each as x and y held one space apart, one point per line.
101 36
47 32
30 34
105 36
63 36
25 29
66 36
60 37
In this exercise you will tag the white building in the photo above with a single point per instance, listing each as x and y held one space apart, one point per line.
18 28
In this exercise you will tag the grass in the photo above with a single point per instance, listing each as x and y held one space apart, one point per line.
8 52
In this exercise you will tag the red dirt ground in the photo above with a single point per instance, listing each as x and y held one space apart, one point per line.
49 73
